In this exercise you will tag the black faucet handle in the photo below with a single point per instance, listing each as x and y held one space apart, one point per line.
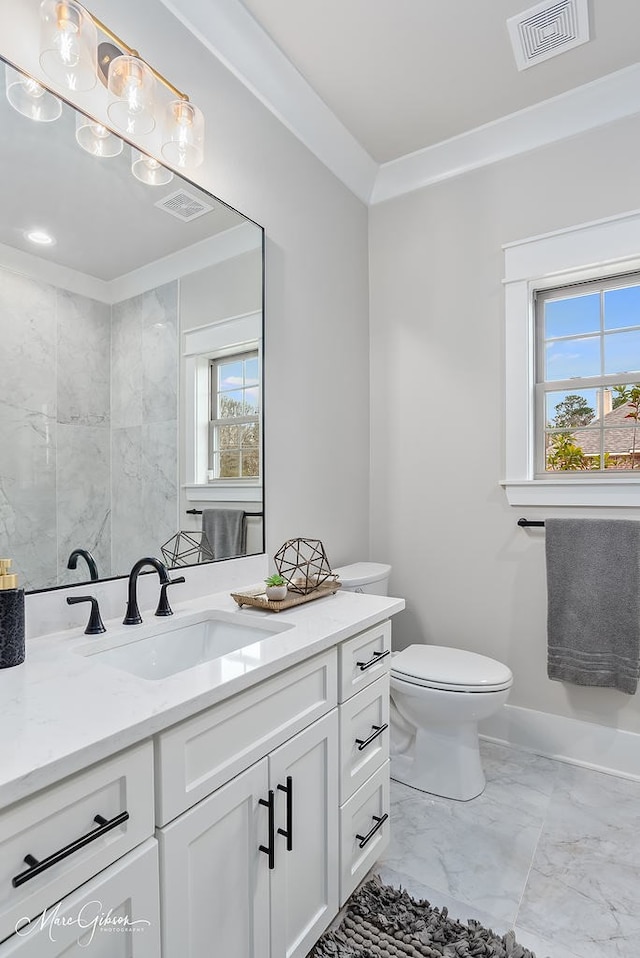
163 604
95 624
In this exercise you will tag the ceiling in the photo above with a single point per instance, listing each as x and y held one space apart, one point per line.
402 75
371 85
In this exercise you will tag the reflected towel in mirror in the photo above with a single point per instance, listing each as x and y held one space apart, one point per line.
226 530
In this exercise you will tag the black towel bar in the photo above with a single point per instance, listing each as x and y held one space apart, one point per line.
198 512
525 523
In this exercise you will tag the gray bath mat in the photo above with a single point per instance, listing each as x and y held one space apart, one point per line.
385 922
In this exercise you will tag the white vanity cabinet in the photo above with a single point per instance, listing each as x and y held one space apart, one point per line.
253 866
62 836
252 870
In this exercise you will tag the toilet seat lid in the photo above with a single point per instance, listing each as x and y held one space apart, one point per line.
439 667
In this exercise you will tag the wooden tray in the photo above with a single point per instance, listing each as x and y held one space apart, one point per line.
257 597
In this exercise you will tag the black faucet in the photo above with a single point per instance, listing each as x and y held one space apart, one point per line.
91 562
132 616
95 625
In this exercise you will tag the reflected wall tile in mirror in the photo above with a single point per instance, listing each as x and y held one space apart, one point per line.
28 333
126 364
159 342
159 469
84 498
126 496
84 364
28 494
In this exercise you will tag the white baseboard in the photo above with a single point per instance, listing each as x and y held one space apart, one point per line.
600 747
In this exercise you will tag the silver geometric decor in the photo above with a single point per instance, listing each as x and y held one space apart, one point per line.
186 548
303 563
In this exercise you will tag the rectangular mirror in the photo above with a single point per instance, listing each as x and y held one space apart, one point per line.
131 328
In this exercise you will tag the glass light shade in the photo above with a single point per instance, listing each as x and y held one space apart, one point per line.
30 98
148 170
183 135
96 138
132 87
68 43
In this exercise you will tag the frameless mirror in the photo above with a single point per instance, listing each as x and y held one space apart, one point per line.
131 321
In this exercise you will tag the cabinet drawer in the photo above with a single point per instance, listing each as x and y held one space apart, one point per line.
115 915
364 830
203 752
63 815
364 658
364 736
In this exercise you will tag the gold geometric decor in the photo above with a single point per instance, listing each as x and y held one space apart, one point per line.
186 548
303 563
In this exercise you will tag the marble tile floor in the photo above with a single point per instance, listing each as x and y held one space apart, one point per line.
549 849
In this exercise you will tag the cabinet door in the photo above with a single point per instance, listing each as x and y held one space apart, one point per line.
112 916
303 774
214 881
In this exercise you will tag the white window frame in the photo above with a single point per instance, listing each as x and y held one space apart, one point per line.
217 422
590 251
199 346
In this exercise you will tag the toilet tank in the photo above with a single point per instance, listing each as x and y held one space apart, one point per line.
370 577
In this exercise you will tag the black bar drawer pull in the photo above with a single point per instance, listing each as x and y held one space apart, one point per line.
379 822
377 730
270 849
376 657
288 833
36 867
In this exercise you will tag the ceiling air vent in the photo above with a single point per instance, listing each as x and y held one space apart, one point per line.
547 30
184 205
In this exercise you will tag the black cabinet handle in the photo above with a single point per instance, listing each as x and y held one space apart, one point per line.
376 657
379 822
288 832
377 730
36 867
270 849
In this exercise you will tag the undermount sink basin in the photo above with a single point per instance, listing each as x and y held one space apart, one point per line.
162 649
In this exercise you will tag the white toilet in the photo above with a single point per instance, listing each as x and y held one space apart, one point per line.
438 696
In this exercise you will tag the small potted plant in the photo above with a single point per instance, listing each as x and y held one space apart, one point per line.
276 587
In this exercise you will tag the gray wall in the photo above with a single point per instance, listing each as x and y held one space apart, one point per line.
471 577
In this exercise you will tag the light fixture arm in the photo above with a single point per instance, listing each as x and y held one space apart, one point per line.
134 53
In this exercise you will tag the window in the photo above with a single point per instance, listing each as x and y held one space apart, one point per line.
587 406
572 336
234 423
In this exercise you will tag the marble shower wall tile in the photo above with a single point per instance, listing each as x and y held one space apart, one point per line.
28 428
84 360
144 391
84 500
144 491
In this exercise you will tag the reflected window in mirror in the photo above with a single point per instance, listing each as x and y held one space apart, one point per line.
234 427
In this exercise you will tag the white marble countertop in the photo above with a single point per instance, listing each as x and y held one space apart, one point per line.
62 710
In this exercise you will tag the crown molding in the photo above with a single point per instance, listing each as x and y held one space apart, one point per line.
229 31
586 107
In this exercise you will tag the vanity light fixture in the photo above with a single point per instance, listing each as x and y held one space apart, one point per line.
70 55
68 44
30 98
148 170
96 138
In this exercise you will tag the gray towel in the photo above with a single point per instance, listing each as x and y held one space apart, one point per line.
226 530
593 587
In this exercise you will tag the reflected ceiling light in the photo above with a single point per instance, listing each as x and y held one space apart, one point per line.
183 134
148 170
96 138
30 98
68 44
40 237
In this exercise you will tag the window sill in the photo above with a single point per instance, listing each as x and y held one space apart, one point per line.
622 492
224 491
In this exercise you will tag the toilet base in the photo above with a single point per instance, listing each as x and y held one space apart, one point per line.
443 761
